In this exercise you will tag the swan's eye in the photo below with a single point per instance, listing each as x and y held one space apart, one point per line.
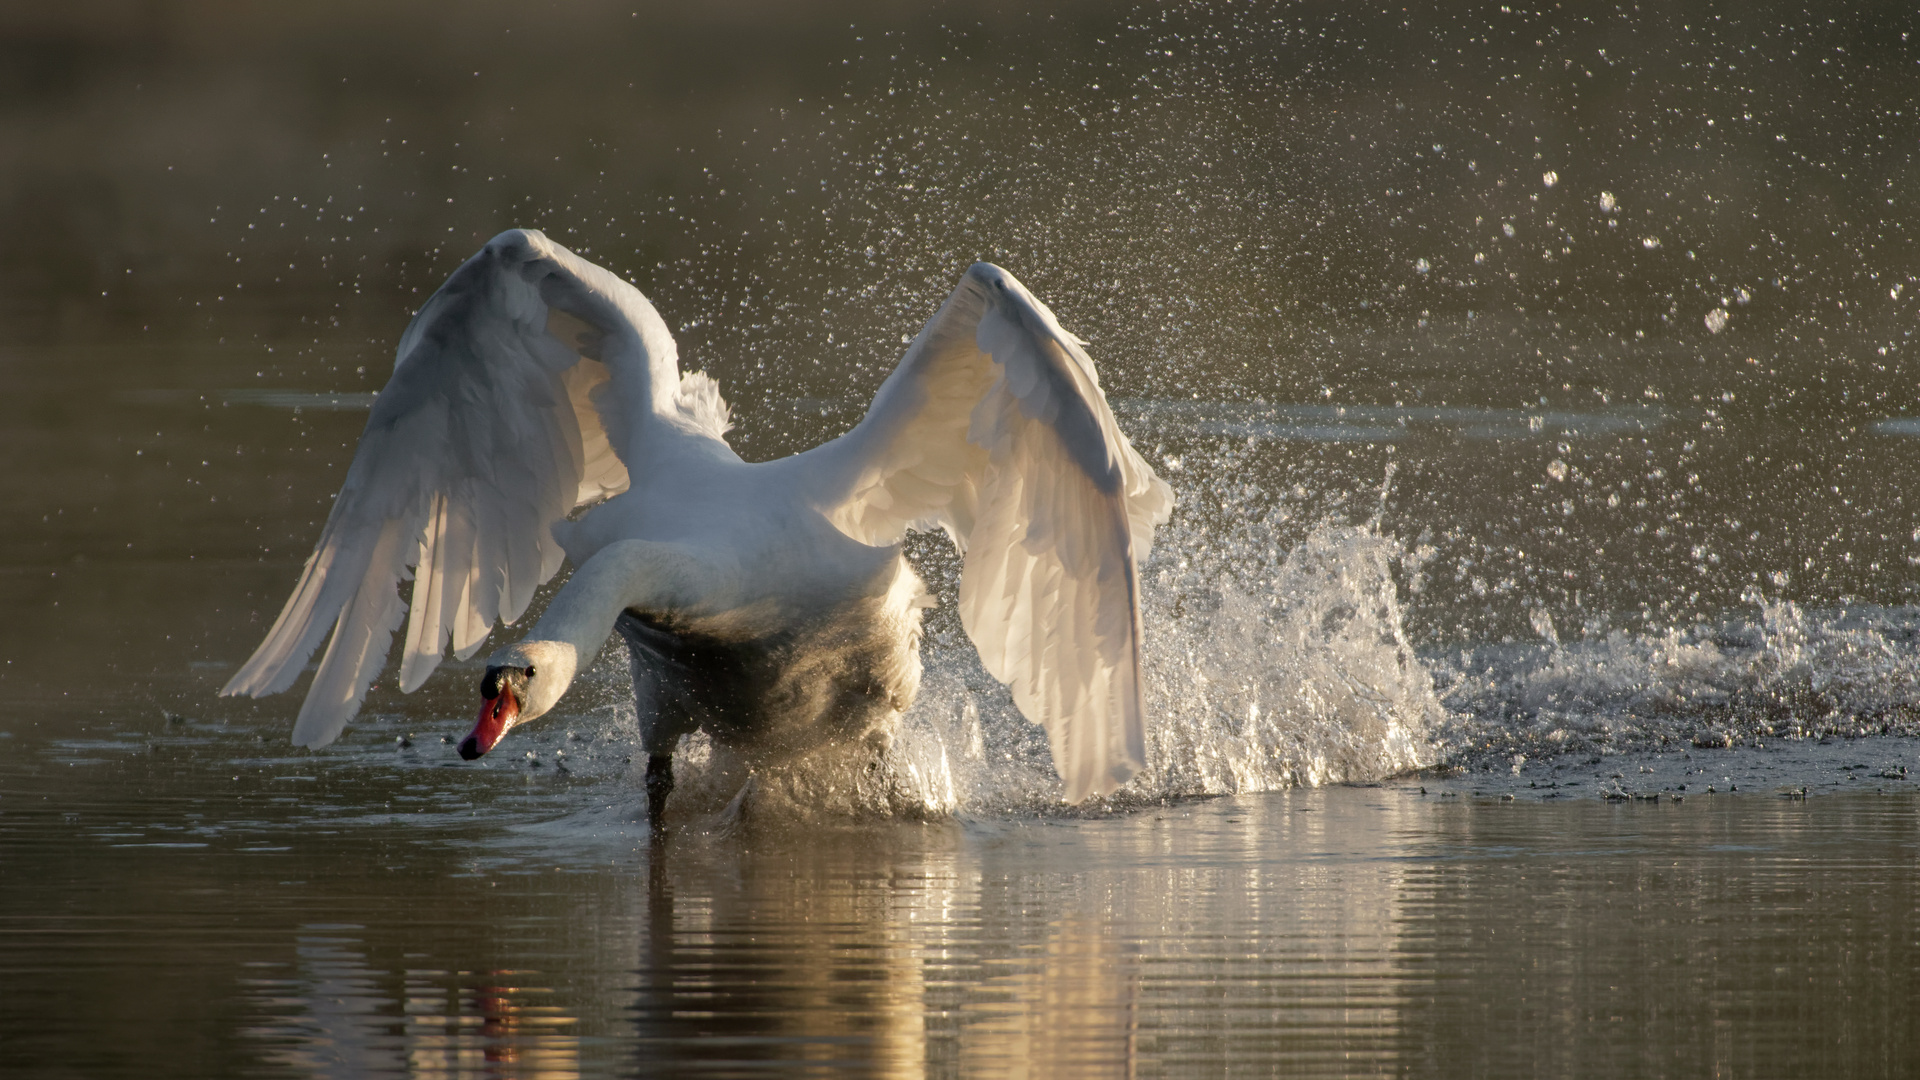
529 671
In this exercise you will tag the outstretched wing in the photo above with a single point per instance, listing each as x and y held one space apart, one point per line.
994 428
486 435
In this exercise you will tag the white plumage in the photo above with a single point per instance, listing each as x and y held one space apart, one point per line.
768 602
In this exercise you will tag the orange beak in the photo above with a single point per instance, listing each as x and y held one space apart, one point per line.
495 714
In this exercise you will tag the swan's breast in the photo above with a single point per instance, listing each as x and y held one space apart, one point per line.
833 673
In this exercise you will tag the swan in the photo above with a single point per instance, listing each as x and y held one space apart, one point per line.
769 603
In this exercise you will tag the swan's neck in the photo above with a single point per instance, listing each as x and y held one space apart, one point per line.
582 613
662 579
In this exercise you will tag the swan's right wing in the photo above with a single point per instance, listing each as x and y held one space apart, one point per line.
490 431
994 428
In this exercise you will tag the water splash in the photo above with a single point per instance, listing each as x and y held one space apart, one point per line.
1264 670
1304 677
1781 673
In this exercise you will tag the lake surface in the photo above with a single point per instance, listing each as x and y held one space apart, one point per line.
1532 657
218 910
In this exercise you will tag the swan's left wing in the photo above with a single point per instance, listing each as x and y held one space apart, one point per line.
994 428
504 413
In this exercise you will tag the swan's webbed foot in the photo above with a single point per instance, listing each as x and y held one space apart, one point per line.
659 786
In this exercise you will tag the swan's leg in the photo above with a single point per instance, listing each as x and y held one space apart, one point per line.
661 713
659 786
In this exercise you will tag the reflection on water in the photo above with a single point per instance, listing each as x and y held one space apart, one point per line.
1337 931
337 1017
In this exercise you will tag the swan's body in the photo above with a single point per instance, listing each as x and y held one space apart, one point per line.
769 603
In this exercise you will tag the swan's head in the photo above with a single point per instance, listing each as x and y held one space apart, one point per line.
523 681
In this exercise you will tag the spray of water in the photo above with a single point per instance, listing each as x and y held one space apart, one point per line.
1781 672
1265 669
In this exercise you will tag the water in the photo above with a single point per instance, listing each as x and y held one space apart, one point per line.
373 913
1537 386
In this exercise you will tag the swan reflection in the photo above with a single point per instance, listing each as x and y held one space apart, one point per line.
990 949
340 1015
898 974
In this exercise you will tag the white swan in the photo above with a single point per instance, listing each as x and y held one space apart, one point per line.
766 603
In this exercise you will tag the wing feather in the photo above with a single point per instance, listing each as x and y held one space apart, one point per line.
995 429
493 427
